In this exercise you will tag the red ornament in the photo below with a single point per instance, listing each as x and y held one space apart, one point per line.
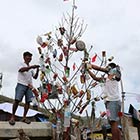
55 76
60 57
49 87
65 79
44 44
120 114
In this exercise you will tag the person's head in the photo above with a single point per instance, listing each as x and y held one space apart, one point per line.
27 56
114 70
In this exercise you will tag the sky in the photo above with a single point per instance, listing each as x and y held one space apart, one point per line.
112 26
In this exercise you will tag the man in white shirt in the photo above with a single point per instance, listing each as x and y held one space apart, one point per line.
111 92
25 75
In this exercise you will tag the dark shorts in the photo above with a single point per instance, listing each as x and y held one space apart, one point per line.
113 108
21 91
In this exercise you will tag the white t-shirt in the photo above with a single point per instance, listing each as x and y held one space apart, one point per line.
25 78
111 90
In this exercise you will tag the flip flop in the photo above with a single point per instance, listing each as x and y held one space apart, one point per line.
12 122
25 120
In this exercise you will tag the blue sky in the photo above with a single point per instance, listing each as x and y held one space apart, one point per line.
113 26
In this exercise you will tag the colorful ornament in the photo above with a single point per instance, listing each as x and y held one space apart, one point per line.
39 50
54 53
74 90
55 76
60 57
60 42
39 40
67 71
65 79
62 30
82 78
88 94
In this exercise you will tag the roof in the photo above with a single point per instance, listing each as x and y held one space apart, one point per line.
7 107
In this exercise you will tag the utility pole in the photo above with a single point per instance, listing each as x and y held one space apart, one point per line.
1 75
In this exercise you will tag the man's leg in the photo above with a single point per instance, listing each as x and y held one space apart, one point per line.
26 108
15 106
116 133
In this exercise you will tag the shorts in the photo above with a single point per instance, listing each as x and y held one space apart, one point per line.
113 108
21 91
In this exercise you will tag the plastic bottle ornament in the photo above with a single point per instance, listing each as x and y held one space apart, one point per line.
80 45
62 30
39 40
42 75
60 57
81 93
44 44
103 53
54 53
39 50
44 97
60 42
111 58
48 60
41 60
42 100
48 35
82 78
55 76
67 71
49 87
74 90
65 79
88 94
47 69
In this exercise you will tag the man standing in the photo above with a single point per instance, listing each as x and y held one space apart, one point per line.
25 75
111 93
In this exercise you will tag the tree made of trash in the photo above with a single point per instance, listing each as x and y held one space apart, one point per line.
65 87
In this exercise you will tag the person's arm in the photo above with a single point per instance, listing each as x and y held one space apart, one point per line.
99 79
95 67
23 69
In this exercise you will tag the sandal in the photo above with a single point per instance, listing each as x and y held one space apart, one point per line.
25 120
12 122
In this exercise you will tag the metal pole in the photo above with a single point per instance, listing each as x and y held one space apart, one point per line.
122 119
